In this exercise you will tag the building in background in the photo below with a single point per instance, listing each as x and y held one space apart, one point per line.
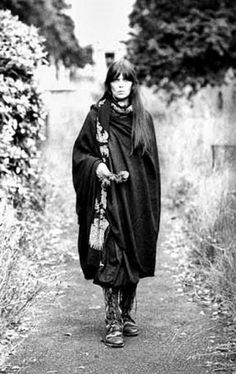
104 55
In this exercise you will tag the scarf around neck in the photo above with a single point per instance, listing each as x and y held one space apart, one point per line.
121 109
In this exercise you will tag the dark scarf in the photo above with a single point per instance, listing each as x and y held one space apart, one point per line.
121 109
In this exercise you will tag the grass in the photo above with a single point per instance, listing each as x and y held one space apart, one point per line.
204 196
211 220
206 203
38 235
19 273
32 243
210 274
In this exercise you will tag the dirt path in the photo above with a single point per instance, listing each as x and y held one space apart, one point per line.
174 334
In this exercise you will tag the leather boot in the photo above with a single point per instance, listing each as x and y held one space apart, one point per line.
127 297
114 335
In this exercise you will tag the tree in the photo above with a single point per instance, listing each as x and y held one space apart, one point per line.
54 24
183 42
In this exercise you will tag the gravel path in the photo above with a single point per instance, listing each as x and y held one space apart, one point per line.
66 339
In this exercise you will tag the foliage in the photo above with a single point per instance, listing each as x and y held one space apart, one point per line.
54 24
187 42
21 107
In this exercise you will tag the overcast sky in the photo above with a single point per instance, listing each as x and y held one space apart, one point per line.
104 21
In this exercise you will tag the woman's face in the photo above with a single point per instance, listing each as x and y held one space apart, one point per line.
121 88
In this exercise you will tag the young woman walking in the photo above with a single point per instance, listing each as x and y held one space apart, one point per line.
117 183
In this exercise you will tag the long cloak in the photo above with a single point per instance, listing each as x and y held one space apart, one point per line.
133 207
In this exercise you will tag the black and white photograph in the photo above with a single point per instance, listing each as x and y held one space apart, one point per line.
117 186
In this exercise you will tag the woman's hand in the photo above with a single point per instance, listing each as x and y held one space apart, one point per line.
102 171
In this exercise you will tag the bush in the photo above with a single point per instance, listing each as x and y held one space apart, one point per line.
22 118
22 113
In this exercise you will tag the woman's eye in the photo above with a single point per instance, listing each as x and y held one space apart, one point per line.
121 80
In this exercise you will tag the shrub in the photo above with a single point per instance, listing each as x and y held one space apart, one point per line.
22 119
22 113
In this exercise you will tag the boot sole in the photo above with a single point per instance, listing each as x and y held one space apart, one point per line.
112 345
131 334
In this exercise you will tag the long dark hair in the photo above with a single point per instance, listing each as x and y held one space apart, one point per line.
140 130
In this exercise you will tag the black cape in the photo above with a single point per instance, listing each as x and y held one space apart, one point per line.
133 207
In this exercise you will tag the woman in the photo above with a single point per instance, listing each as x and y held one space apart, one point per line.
117 183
